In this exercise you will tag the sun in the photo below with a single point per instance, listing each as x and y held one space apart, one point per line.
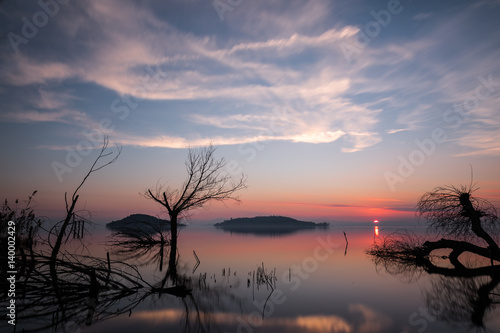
375 221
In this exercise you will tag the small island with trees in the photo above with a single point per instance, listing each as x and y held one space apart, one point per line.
140 222
267 224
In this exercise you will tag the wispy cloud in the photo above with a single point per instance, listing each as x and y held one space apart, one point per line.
296 41
61 116
423 16
481 142
292 60
249 71
26 70
396 130
488 3
164 141
53 100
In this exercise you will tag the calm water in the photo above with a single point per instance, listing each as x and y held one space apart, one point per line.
301 282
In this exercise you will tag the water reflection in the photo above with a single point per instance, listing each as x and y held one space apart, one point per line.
462 292
78 290
273 231
361 319
339 294
144 246
199 301
463 300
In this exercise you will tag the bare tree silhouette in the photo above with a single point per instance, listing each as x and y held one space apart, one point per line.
74 221
207 180
455 212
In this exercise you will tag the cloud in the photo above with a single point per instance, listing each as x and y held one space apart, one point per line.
481 142
320 126
361 141
278 18
318 137
424 81
396 130
25 71
297 41
284 56
395 208
423 16
52 100
488 3
125 47
61 116
182 142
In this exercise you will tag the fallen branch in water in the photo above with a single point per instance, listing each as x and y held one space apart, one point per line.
346 243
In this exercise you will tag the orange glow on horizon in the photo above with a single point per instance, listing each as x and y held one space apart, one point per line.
305 210
119 207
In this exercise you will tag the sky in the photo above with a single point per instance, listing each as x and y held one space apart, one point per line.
334 110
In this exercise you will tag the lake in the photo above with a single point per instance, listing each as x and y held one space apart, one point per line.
306 281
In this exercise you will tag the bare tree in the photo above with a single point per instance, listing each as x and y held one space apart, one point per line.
456 212
207 180
72 220
468 289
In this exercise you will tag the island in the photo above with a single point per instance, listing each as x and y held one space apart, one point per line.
267 225
139 222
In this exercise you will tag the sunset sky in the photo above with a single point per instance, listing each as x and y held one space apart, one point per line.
335 110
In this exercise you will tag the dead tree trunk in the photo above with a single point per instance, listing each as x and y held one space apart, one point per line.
475 219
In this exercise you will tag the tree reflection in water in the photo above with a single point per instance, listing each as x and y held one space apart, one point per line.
85 290
457 295
198 299
144 245
463 300
82 290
